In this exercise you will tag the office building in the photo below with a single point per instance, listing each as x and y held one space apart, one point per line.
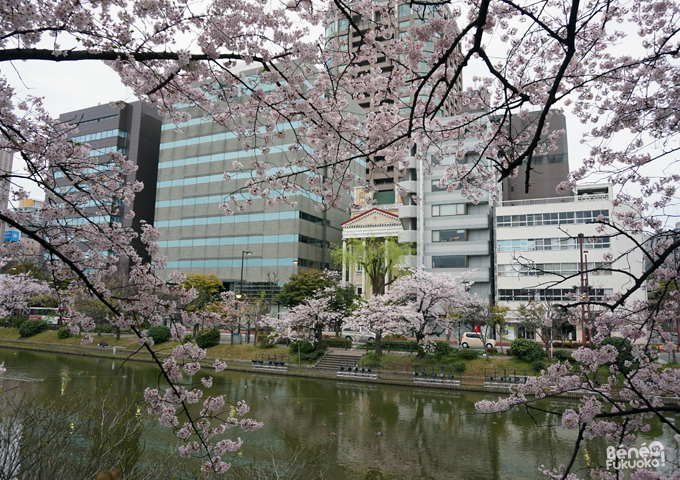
342 38
263 244
538 249
134 129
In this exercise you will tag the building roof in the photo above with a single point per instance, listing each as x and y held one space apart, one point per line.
391 216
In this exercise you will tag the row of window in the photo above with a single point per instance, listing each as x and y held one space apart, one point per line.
96 219
561 218
564 269
550 294
255 239
534 244
449 235
100 135
95 152
104 167
236 262
449 261
96 120
448 209
219 157
219 137
250 217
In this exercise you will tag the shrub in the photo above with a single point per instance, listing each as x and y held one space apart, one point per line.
32 327
63 333
467 354
17 322
208 337
159 334
189 337
527 350
308 351
458 367
442 349
337 342
108 328
537 365
266 341
396 345
563 355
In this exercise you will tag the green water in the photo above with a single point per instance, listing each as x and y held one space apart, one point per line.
427 434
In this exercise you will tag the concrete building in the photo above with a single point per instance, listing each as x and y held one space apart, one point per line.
263 244
341 36
538 251
134 130
28 249
452 234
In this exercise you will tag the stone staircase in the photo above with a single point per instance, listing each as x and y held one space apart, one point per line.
333 358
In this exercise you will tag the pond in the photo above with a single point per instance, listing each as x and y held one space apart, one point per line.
426 433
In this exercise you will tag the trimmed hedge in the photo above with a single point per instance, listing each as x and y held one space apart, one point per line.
337 342
63 333
467 354
442 349
208 337
526 350
159 334
32 327
458 367
537 365
308 351
563 355
396 345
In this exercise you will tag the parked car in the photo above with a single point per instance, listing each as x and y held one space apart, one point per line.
361 335
474 340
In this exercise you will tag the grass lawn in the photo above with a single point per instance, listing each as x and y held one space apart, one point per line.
51 337
475 368
243 352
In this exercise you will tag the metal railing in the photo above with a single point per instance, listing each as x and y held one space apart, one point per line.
271 362
542 201
439 374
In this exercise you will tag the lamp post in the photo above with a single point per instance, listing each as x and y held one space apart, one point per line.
240 288
581 290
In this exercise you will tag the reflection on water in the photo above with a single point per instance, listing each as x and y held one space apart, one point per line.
425 434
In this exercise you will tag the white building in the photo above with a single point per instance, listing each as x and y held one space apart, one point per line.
538 251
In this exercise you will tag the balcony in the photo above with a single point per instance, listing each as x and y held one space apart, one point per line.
544 201
408 236
408 211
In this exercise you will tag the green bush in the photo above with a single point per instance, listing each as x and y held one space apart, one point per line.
63 333
17 322
338 342
266 341
208 337
467 354
189 337
32 327
308 352
458 367
537 365
563 355
108 328
394 345
159 334
442 349
526 350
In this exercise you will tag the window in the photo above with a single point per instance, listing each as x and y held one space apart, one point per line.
561 218
385 197
526 332
449 235
330 29
404 24
343 23
448 210
404 10
436 187
449 261
539 244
